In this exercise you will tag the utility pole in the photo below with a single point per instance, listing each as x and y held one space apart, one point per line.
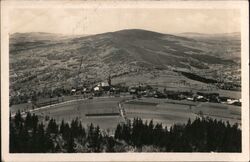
78 74
77 82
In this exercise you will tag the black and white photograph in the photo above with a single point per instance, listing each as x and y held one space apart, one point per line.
110 78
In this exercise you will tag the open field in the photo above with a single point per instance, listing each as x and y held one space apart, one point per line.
165 111
21 107
220 111
79 109
169 112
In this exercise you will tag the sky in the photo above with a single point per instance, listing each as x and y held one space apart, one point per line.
93 21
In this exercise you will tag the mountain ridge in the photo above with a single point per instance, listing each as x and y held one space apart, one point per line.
119 54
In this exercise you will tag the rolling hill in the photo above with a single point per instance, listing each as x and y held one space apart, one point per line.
225 45
40 60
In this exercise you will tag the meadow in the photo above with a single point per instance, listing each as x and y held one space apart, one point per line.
165 111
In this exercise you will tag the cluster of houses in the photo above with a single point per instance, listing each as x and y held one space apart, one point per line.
229 86
102 88
142 90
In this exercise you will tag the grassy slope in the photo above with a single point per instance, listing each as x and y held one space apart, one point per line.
41 60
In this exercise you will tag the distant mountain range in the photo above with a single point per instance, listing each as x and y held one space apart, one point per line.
236 35
43 57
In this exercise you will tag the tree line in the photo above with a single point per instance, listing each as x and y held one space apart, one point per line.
200 135
28 135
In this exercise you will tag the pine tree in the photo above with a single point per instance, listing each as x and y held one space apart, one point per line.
110 144
18 120
34 122
97 139
158 134
150 132
52 127
66 133
126 132
71 145
23 140
90 137
28 121
82 132
13 146
62 127
118 132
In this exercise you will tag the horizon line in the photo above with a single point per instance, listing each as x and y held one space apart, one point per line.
67 34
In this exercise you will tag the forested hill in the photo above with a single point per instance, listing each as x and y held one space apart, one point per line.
41 59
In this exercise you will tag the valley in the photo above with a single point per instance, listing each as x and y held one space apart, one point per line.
41 63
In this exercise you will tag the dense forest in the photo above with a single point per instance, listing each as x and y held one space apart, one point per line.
198 78
28 135
219 84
